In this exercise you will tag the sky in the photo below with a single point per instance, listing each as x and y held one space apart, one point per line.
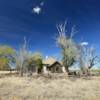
37 19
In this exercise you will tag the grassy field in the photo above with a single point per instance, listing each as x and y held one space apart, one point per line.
41 88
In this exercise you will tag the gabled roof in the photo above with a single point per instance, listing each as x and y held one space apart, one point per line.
50 61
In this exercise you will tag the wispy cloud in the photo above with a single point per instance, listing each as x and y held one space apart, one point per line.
84 43
42 4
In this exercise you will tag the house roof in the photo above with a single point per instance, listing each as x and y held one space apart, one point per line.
50 61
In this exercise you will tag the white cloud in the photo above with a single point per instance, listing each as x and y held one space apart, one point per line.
36 10
84 43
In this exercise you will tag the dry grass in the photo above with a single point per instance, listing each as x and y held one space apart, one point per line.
40 88
7 72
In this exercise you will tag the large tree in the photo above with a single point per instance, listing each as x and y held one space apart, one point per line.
67 45
6 57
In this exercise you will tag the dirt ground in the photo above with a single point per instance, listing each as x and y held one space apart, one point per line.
42 88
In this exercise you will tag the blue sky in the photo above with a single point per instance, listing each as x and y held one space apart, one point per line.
18 20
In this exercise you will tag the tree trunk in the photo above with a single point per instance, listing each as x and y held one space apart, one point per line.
21 72
67 69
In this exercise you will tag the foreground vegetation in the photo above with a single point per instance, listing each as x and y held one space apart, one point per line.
57 87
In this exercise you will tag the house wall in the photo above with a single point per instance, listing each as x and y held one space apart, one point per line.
55 68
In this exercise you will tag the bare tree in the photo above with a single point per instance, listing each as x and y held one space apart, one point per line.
93 59
88 58
82 58
22 57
